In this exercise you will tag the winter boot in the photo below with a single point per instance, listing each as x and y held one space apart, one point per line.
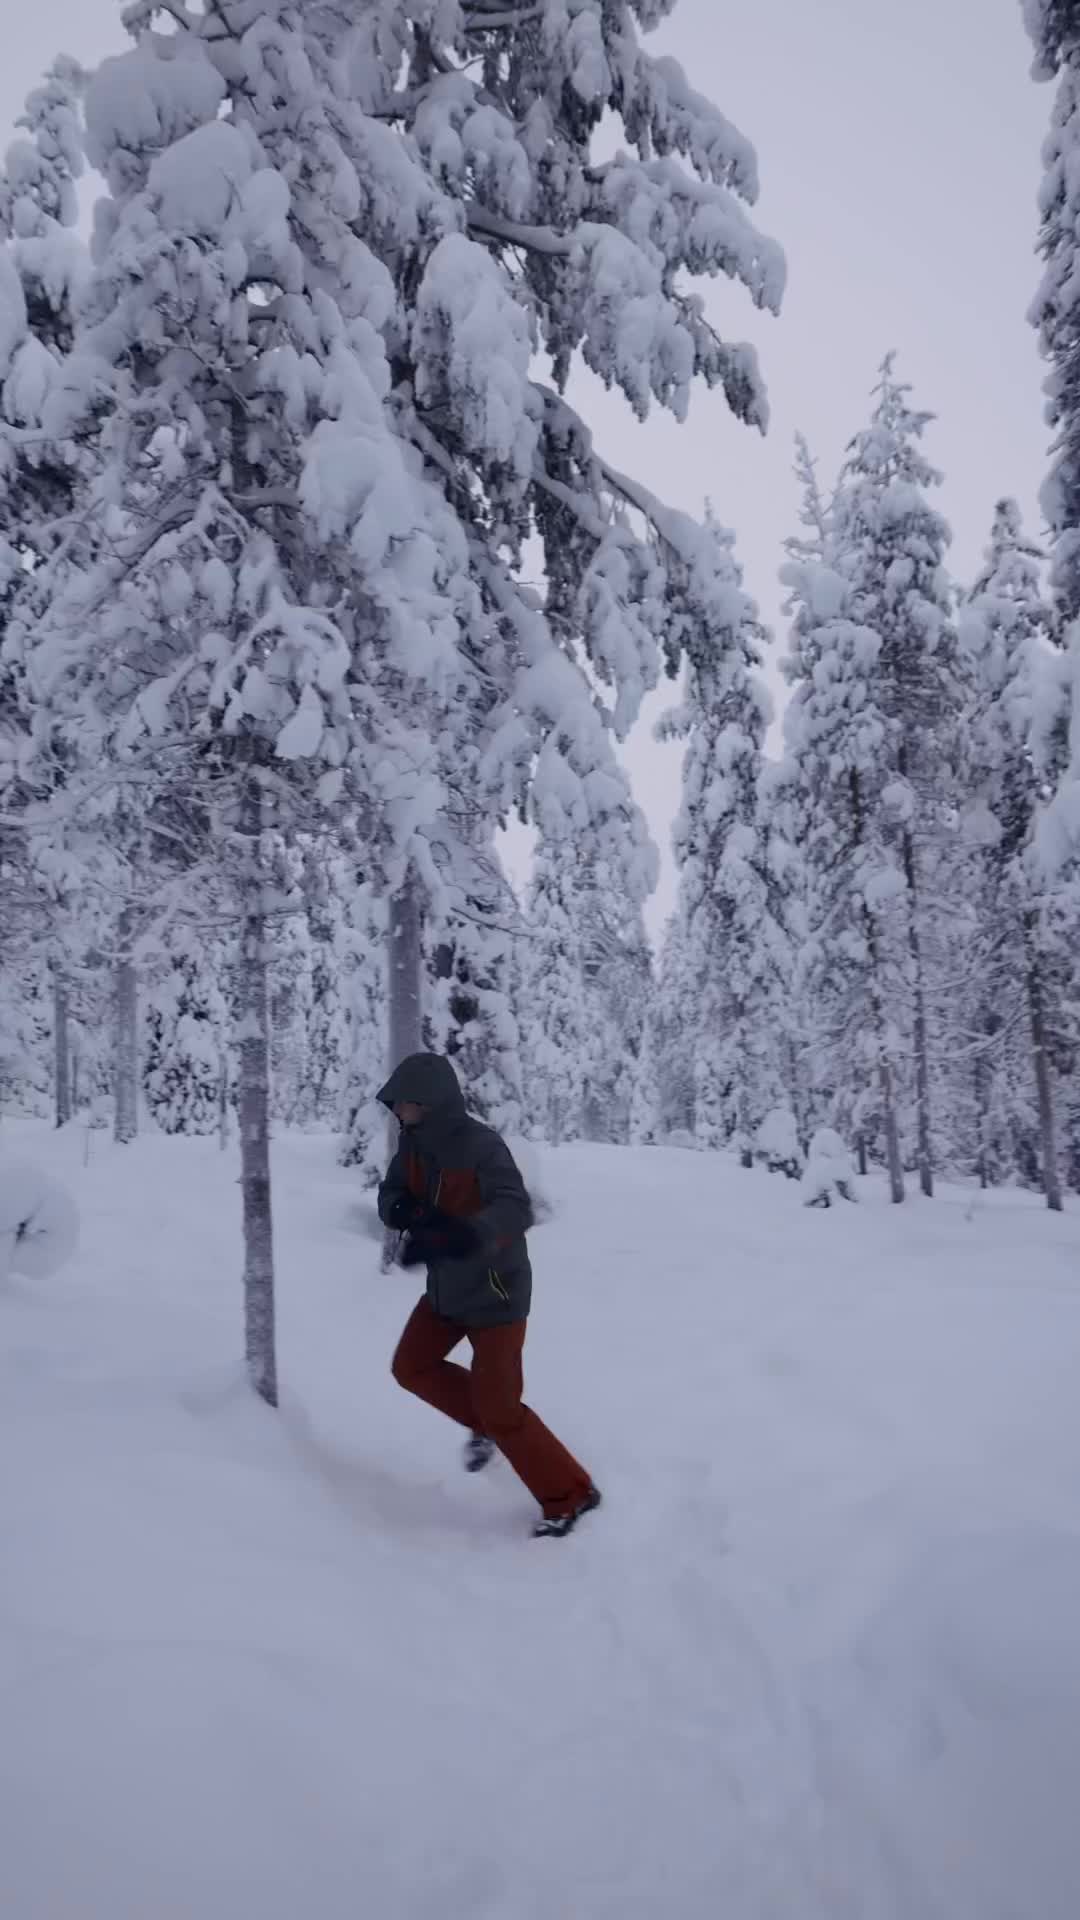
478 1451
557 1526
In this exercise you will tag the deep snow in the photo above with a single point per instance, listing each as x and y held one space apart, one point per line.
817 1659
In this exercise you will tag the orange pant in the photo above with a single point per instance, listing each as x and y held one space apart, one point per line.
487 1399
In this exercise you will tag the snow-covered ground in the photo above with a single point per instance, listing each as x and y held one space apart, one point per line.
818 1658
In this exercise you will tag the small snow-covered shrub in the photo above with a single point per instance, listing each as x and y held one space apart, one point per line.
829 1174
39 1222
777 1144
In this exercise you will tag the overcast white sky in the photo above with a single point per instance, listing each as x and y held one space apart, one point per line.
899 152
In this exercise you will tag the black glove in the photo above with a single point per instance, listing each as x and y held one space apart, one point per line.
404 1212
439 1237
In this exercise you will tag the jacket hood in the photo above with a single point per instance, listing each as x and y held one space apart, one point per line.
429 1080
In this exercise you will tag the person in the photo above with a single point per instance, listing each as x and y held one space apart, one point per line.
454 1193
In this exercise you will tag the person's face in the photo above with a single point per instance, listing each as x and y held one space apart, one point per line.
408 1114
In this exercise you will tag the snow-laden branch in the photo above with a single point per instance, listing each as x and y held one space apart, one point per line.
534 239
481 19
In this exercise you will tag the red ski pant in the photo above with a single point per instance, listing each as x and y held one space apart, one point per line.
487 1399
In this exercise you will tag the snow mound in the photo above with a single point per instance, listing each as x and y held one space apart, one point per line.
39 1222
829 1173
778 1143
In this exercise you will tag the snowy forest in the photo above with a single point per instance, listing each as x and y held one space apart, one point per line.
313 580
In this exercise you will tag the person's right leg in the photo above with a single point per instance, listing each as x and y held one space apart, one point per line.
552 1475
420 1364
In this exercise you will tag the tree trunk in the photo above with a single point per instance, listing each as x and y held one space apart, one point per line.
406 1019
922 1060
877 1005
982 1117
893 1159
1047 1131
795 1090
125 1041
406 1002
860 1152
253 1005
223 1106
62 1049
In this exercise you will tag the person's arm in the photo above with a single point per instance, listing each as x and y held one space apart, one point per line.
395 1202
505 1208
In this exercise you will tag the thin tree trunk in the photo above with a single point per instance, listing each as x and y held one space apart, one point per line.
1039 1039
982 1111
406 1006
892 1136
795 1090
125 1040
860 1152
406 1022
62 1049
922 1059
746 1145
893 1158
254 1037
223 1106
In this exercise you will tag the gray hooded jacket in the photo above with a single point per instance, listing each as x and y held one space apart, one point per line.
455 1163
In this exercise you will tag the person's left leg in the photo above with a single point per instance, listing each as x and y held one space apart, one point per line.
420 1364
552 1475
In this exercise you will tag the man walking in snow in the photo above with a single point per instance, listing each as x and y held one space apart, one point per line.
455 1194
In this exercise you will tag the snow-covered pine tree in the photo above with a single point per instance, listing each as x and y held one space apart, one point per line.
552 999
891 545
186 1034
617 972
470 1013
645 1122
835 733
731 937
326 886
25 1023
42 267
1004 629
1054 26
586 986
290 981
676 1034
365 990
342 271
191 626
873 731
505 106
781 868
